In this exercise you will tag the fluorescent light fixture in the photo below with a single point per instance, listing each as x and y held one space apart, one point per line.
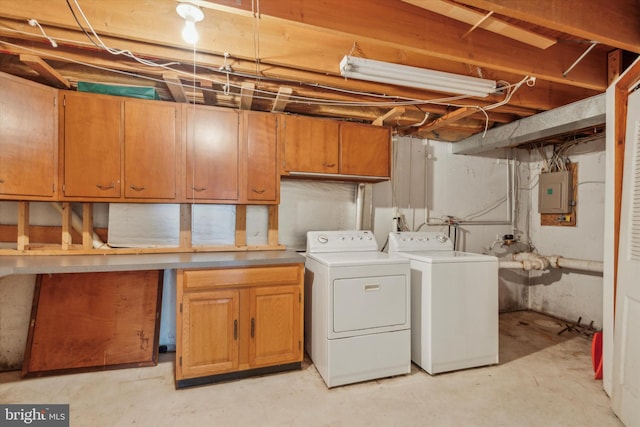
191 14
404 75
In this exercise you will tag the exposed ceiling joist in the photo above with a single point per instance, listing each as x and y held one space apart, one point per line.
282 98
45 70
448 119
246 95
562 120
174 84
596 20
484 21
389 116
208 93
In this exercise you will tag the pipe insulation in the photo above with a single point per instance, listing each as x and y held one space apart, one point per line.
76 223
530 261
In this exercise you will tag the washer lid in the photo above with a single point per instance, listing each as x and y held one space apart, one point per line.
446 256
344 259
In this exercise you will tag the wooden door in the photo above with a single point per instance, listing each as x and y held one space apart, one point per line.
365 150
28 138
150 149
310 145
275 325
92 145
212 154
210 329
260 130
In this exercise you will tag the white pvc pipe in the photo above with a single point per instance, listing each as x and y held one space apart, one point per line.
76 223
530 261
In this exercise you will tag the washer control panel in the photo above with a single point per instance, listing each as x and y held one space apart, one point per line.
412 241
341 241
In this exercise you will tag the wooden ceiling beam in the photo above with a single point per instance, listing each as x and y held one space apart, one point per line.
484 21
45 70
343 23
545 96
614 23
174 84
389 116
448 119
289 34
282 98
246 95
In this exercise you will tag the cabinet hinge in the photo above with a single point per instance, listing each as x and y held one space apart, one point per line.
180 360
180 307
299 345
64 101
299 297
64 188
55 101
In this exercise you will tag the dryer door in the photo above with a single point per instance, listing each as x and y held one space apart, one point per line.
370 304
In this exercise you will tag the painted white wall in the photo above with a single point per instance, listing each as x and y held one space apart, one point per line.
565 293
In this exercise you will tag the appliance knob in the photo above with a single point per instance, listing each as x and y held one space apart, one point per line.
323 239
442 238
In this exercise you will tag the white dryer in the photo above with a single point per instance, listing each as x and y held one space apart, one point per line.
454 303
357 308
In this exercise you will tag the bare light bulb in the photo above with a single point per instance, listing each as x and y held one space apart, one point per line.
189 32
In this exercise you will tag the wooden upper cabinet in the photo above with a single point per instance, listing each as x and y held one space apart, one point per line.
151 149
28 139
117 149
310 145
365 150
262 177
212 154
92 141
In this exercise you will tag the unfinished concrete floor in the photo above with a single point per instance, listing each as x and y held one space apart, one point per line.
543 379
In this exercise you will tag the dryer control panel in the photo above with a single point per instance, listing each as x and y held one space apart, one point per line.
411 241
341 241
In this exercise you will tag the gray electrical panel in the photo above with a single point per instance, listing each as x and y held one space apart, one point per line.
554 192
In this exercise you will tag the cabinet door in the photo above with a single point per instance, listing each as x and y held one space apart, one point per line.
262 175
310 145
212 154
209 333
275 329
150 149
28 138
92 146
365 150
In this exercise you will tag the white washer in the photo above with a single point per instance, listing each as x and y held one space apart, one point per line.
357 308
454 305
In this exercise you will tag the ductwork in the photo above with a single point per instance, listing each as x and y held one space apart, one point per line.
529 261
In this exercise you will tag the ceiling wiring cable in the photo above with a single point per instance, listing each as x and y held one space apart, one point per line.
117 51
80 25
35 23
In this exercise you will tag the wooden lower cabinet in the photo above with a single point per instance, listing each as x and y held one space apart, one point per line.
237 322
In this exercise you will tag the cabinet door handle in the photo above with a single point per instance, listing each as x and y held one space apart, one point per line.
258 191
1 181
106 187
253 326
330 165
198 189
136 188
235 329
